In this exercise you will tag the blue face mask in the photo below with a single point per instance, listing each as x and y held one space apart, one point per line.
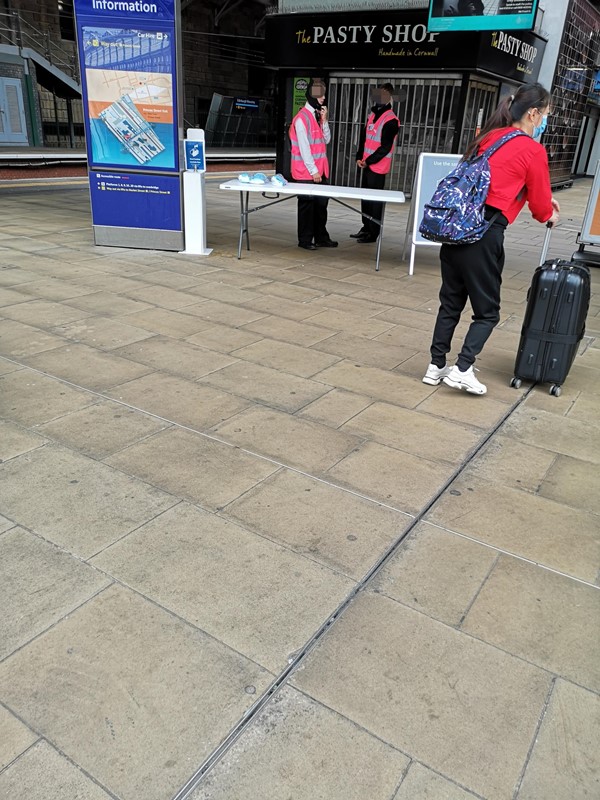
539 129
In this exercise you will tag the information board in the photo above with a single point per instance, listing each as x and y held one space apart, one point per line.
151 202
481 15
590 229
128 55
432 167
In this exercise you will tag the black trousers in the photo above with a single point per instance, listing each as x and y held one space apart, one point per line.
312 217
469 272
371 180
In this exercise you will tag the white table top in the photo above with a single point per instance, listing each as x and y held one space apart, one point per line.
318 189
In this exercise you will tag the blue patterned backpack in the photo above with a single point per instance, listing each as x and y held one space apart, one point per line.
456 212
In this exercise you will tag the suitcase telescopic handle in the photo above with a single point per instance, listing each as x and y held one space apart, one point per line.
546 244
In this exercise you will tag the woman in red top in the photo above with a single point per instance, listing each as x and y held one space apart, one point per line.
519 173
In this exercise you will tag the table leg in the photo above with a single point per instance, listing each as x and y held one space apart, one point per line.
380 237
244 198
247 223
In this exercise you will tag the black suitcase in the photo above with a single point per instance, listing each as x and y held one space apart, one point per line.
554 324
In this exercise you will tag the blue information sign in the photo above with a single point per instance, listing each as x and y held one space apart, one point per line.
126 9
134 200
481 15
194 156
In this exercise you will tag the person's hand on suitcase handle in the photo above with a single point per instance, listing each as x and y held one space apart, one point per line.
555 214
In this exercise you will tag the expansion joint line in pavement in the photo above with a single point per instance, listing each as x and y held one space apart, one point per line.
299 657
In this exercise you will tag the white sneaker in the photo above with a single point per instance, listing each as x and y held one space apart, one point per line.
464 380
435 374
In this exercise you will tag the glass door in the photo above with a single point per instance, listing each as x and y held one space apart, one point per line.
13 129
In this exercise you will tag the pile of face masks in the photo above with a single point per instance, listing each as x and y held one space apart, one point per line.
260 179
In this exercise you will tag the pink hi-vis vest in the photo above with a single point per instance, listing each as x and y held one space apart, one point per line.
318 147
373 141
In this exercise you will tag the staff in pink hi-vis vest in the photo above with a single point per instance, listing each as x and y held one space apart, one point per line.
309 136
374 157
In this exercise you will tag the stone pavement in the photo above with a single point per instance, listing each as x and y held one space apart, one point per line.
247 554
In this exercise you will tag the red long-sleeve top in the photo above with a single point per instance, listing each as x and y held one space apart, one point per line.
519 164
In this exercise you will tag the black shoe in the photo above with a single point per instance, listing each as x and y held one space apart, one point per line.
307 246
362 232
327 243
367 239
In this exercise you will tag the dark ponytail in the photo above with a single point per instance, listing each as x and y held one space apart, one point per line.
511 109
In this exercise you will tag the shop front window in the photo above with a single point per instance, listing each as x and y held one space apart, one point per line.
428 112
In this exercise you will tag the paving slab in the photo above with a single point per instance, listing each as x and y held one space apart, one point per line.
333 301
301 294
161 296
224 293
339 529
459 706
570 437
101 430
224 313
195 468
8 366
508 461
289 440
86 366
414 432
543 617
108 304
573 482
391 476
469 409
43 582
271 759
290 309
584 408
178 280
15 440
347 321
302 333
364 351
224 339
17 339
542 530
377 383
54 289
9 297
15 738
436 572
107 334
29 398
266 385
566 761
71 508
130 693
421 783
287 357
168 323
206 570
5 524
44 774
179 400
175 356
335 407
43 313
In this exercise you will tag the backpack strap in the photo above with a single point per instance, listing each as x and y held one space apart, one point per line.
502 140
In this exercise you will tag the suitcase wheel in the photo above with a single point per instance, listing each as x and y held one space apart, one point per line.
555 390
516 383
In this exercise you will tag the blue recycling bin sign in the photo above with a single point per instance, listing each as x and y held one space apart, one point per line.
194 156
